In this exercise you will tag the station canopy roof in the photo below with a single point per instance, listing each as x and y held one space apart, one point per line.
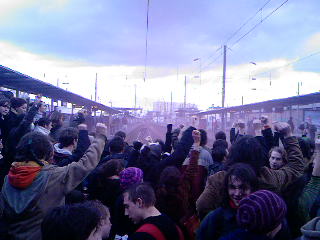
274 103
15 80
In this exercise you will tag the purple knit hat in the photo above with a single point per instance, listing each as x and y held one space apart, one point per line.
130 176
261 211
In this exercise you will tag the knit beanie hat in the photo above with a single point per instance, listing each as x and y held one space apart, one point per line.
130 176
261 211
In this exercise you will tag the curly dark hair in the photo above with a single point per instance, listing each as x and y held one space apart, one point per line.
247 149
34 146
243 172
203 137
172 200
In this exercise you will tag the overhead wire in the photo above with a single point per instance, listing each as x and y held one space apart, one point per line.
240 28
285 65
212 62
213 55
290 63
256 25
247 21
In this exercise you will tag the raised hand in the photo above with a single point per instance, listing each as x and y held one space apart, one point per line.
283 128
101 129
82 126
264 120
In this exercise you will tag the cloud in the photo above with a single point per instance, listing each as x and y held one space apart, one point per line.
312 43
116 82
7 8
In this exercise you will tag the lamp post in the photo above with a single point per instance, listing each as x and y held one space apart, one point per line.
251 76
66 83
195 60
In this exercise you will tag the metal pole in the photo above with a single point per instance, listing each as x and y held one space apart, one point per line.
224 84
200 70
171 104
224 74
95 94
52 104
185 91
95 88
178 73
135 96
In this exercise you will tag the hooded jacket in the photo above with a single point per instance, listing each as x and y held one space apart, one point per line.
42 130
64 157
24 203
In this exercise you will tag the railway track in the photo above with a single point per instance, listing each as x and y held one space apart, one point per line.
142 131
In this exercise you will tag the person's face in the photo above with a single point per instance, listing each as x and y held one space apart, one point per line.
105 227
132 210
75 143
237 190
43 108
275 160
22 109
49 126
4 110
95 235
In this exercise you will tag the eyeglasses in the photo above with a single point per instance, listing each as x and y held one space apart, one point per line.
5 106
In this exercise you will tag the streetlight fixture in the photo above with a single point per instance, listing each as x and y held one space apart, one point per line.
195 60
251 76
66 83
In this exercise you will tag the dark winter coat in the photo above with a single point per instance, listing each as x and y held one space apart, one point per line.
178 156
243 234
218 223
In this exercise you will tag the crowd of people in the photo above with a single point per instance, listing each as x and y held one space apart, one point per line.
62 182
